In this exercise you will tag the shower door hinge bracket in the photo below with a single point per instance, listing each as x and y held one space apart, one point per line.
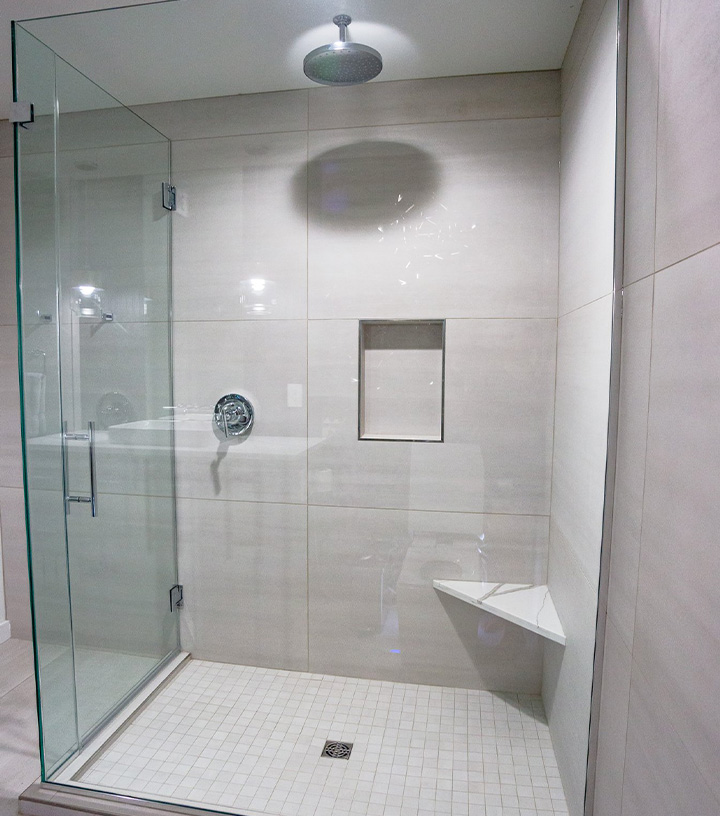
22 113
169 198
176 597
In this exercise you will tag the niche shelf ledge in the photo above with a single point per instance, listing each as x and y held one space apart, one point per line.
527 605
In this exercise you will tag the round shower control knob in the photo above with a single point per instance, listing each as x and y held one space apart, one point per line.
234 415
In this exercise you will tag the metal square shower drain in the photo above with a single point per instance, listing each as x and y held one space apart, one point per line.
337 750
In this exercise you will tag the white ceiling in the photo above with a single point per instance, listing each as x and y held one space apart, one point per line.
185 49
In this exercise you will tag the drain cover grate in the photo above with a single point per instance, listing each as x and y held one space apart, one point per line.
337 750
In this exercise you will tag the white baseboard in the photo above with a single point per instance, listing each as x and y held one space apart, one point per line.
4 631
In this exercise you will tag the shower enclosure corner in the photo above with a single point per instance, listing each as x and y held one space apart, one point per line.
94 301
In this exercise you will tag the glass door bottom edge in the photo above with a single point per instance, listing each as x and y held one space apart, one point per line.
106 732
424 749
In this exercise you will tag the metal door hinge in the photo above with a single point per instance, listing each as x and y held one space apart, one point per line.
176 597
22 113
169 197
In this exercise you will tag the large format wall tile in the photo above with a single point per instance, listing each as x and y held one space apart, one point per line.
447 99
660 776
265 362
240 239
8 309
613 716
630 462
228 115
688 138
585 26
587 173
641 139
441 220
677 629
568 670
15 564
10 445
581 411
244 567
374 612
499 379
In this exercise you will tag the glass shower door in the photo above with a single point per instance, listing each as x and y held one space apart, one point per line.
98 409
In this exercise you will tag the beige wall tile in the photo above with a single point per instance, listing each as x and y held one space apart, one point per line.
590 13
660 775
448 99
244 566
10 446
587 173
641 138
442 220
677 634
568 670
240 237
374 612
228 115
15 565
8 308
613 716
580 448
498 379
688 138
630 464
259 360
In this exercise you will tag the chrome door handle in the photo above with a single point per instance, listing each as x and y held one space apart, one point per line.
88 437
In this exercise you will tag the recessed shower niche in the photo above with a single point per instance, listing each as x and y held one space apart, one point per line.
416 277
402 380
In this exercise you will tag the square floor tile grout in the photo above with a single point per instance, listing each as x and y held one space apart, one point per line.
244 739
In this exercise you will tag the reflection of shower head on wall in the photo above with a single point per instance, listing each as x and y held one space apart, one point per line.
342 62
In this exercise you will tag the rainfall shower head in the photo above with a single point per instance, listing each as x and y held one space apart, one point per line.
342 62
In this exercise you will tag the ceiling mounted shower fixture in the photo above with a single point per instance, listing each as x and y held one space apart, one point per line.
342 62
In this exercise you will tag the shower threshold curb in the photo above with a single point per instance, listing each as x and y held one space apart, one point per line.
53 799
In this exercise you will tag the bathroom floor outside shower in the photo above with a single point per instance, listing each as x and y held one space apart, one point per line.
249 740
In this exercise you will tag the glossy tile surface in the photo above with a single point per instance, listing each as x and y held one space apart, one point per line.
19 760
245 569
581 411
641 139
258 360
453 219
614 718
660 775
374 612
15 564
447 99
568 670
243 739
8 308
630 463
688 138
499 378
228 115
587 172
237 197
10 446
677 634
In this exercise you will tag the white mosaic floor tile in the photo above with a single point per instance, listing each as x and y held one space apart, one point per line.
249 740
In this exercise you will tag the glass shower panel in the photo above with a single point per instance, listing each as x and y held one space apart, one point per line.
113 266
94 259
42 437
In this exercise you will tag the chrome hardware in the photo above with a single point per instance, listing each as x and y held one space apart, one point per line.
45 318
234 415
169 197
88 437
22 113
176 597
